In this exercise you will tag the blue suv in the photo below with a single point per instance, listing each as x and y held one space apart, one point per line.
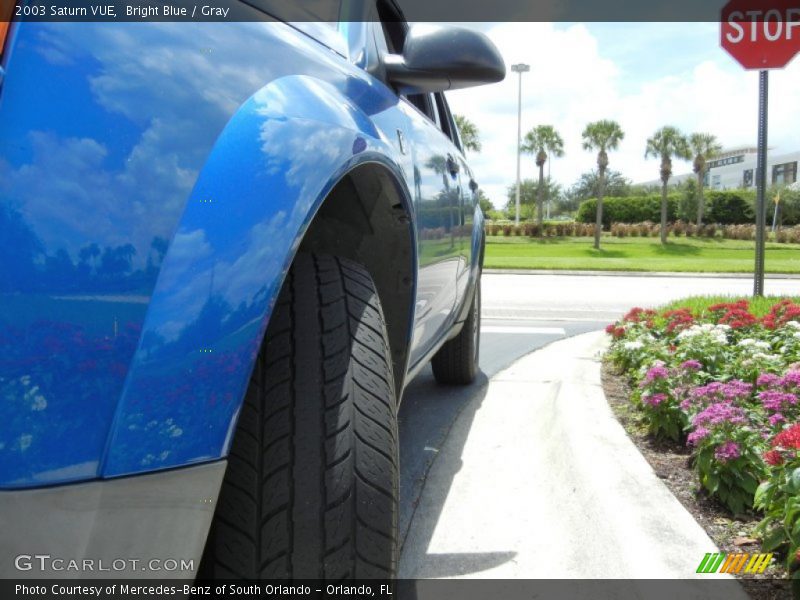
225 249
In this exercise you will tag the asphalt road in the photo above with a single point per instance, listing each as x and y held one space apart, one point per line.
522 313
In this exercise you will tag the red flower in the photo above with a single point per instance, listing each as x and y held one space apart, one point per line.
633 315
678 320
728 306
788 438
773 457
615 331
781 313
637 315
738 318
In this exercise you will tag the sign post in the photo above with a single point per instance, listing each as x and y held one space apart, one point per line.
761 181
761 35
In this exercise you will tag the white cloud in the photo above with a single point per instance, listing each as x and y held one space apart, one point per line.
642 75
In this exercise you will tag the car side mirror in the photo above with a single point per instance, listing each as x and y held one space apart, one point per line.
441 57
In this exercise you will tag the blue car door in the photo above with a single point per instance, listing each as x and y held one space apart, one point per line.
434 182
437 198
465 203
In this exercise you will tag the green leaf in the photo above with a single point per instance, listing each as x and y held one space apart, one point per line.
773 539
749 484
794 481
761 492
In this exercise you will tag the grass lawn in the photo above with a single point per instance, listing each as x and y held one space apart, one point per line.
637 254
699 304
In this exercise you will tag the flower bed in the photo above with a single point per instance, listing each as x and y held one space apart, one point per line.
724 378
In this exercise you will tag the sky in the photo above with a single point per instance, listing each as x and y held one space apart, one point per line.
643 75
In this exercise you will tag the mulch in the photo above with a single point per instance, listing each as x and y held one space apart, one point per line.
671 462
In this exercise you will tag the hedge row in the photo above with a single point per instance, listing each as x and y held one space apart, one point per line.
783 235
728 207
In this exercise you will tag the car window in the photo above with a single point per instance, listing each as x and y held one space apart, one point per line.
424 104
394 29
447 125
389 38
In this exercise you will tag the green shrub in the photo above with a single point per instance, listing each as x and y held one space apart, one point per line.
630 209
789 207
729 207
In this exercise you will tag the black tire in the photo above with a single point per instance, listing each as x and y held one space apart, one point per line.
456 363
311 486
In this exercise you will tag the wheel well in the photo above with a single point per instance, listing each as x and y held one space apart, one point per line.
365 220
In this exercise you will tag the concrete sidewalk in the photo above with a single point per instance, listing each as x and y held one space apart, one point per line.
537 479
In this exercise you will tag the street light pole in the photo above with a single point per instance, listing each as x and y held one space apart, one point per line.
519 68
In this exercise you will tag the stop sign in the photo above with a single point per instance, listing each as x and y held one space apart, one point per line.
761 34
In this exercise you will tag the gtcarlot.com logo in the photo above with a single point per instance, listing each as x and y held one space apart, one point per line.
46 562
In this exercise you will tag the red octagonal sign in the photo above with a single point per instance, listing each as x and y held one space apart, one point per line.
761 34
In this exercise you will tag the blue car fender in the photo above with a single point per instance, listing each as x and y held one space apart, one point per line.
269 172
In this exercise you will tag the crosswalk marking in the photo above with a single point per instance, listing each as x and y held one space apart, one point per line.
523 330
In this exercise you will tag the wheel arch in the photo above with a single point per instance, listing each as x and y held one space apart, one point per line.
366 218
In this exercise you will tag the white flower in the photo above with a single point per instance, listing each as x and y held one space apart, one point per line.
746 342
793 324
634 345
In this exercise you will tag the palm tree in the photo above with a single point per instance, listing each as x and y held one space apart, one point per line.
468 132
601 136
666 143
539 141
704 146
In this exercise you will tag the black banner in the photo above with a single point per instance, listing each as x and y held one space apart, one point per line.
335 10
406 589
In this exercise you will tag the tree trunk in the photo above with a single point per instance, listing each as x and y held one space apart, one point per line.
700 200
598 224
664 213
540 200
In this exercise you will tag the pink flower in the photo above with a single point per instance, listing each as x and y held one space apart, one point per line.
773 400
727 451
775 419
791 379
656 372
693 365
655 399
718 413
697 435
767 380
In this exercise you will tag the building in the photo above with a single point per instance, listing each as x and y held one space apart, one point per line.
736 168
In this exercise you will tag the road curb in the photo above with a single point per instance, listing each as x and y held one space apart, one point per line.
538 479
748 276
